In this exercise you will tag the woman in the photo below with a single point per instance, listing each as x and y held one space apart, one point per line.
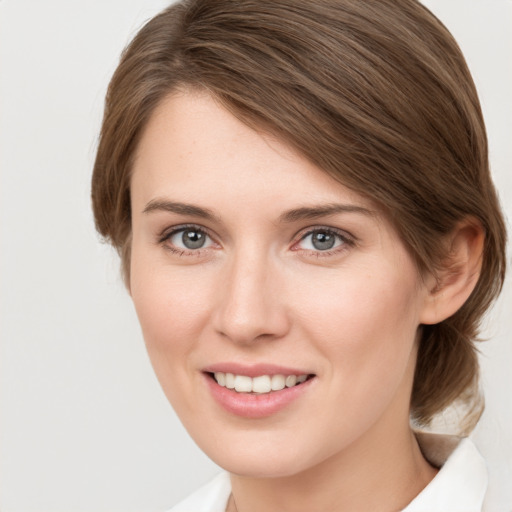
301 199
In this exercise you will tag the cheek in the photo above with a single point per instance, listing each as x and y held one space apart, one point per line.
172 307
364 326
364 322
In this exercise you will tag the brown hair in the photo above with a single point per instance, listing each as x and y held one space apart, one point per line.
375 93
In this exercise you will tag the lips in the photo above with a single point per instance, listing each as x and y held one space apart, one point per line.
255 370
256 391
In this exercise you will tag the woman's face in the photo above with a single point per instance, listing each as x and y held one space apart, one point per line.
248 260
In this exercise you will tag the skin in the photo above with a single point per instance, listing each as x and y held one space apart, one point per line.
259 291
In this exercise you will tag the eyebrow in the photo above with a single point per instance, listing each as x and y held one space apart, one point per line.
314 212
179 208
294 215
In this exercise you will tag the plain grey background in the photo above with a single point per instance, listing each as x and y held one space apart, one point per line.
84 425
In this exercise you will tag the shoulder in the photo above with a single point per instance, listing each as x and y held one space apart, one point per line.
212 497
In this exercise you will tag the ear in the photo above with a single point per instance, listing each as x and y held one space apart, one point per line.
458 275
126 262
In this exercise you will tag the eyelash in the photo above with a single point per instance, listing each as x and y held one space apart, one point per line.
167 235
346 239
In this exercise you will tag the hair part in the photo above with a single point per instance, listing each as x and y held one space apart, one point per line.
377 94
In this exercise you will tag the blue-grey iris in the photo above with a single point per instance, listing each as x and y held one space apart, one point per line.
193 239
323 240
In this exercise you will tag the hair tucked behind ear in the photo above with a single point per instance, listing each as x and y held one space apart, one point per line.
375 93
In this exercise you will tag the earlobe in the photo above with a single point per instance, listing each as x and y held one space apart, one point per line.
458 275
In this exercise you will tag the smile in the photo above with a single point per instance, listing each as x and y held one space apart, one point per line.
260 384
266 391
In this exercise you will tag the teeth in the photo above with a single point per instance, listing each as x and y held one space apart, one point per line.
230 381
278 382
243 384
261 384
291 380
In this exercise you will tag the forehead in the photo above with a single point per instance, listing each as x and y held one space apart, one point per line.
194 148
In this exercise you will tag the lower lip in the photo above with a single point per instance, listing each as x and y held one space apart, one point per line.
253 405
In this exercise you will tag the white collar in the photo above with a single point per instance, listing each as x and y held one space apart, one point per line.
461 483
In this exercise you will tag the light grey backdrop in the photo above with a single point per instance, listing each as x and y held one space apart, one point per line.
84 424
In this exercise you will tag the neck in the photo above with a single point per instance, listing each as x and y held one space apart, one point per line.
375 473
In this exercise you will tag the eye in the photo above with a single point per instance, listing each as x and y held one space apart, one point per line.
323 240
188 239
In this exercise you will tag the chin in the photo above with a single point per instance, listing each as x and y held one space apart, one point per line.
259 459
259 468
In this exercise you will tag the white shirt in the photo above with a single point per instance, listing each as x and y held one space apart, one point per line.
459 486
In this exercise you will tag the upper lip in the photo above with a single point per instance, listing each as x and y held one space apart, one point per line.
254 370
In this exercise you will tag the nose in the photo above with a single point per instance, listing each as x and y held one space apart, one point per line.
251 304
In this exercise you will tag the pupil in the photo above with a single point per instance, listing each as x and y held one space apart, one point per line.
323 241
193 239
